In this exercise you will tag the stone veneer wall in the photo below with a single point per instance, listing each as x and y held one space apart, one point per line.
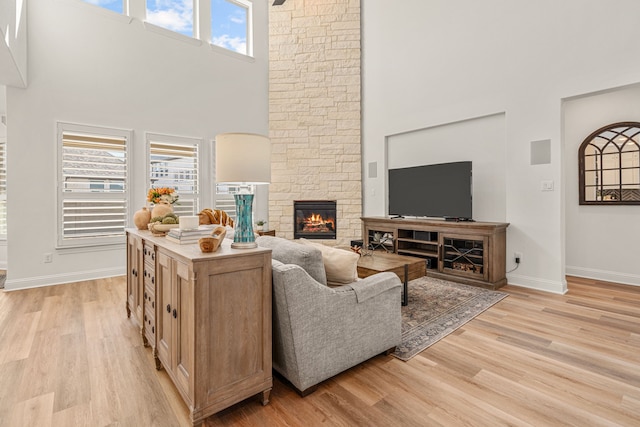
314 111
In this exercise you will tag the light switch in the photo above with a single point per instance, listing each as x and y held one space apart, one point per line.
546 185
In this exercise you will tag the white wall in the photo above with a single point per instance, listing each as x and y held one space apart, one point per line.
434 62
93 67
602 241
3 137
13 42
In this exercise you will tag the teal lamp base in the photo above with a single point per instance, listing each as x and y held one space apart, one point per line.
243 237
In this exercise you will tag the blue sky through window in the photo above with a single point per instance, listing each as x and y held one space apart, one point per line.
174 15
229 25
114 5
228 19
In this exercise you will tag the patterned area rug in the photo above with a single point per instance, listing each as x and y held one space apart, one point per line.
3 277
436 308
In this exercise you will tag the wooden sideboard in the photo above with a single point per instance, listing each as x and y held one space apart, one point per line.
470 252
206 316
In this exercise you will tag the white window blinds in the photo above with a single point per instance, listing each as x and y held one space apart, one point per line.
93 185
175 163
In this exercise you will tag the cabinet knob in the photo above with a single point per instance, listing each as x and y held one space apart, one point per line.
175 313
153 280
153 329
153 256
168 308
145 294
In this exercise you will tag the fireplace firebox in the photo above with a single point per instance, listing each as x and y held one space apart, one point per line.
314 219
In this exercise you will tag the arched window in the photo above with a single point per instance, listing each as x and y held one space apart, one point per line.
609 161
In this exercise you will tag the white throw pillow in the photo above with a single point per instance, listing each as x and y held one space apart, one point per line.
340 265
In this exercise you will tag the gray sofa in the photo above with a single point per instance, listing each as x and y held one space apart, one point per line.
319 331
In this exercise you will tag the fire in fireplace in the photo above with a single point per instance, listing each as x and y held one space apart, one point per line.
314 219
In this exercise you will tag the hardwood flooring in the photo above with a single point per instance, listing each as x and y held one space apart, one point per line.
69 356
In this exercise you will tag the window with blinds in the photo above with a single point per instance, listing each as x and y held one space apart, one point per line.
3 190
93 185
175 162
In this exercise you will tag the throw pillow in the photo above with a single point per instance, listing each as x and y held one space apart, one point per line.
340 265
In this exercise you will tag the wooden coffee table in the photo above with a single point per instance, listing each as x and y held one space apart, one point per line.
406 267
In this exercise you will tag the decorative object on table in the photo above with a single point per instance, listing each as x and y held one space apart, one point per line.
181 236
142 218
215 216
436 308
159 225
160 229
163 199
212 243
189 222
243 159
260 224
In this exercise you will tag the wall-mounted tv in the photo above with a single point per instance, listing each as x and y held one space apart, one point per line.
440 190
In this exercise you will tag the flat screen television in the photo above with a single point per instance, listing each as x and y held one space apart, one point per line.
440 190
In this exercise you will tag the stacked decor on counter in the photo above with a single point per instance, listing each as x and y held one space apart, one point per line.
182 236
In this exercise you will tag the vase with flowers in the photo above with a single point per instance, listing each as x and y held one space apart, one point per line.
163 199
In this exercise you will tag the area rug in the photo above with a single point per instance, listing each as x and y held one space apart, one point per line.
436 308
3 277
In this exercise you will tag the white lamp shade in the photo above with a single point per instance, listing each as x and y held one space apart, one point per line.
243 158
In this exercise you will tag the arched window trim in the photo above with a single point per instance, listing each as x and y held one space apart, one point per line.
630 131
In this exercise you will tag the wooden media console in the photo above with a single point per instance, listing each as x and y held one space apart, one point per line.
468 252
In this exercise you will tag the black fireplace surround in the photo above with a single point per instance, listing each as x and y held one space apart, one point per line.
314 219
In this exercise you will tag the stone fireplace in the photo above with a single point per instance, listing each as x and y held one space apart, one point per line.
314 114
314 219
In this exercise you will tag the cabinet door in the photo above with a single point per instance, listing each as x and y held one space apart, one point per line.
135 284
465 256
182 314
164 309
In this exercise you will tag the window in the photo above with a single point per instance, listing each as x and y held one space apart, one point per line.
3 189
92 185
175 162
114 5
174 15
230 25
225 201
609 164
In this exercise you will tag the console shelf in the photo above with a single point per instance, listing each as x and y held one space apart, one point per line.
468 252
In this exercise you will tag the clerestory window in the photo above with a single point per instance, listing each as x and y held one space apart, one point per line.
113 5
609 165
227 24
174 15
230 25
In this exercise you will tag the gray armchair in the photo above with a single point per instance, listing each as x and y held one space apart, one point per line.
319 331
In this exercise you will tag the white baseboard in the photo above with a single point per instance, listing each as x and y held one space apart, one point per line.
556 287
604 275
58 279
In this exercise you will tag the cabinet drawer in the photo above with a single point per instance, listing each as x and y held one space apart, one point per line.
149 254
149 274
150 326
149 296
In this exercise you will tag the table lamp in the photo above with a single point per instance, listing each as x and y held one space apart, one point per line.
243 159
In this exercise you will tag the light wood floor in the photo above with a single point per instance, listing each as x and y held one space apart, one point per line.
70 357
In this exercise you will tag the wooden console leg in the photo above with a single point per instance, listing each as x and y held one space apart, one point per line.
265 397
